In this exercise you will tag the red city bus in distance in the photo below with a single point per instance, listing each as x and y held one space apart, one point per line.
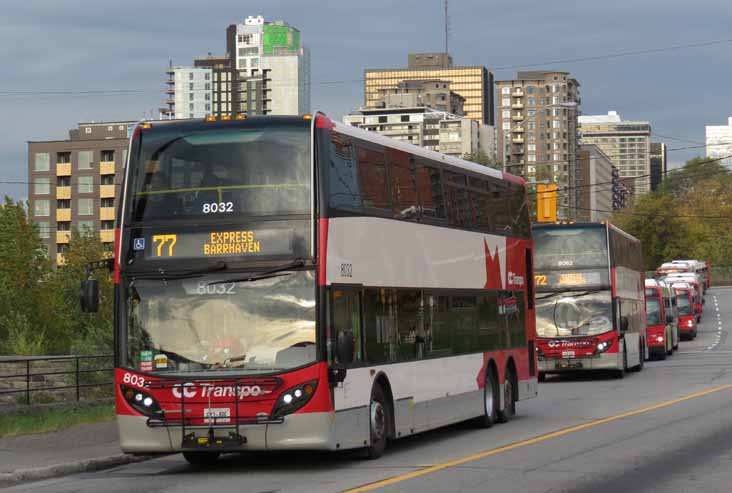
661 319
590 305
697 286
687 319
293 283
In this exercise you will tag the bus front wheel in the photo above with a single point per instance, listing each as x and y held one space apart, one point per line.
201 458
378 423
490 400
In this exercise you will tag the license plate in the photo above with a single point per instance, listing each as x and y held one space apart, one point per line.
568 354
217 415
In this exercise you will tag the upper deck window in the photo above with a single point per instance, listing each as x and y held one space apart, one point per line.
222 172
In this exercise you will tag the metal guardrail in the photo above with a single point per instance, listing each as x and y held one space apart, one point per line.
77 373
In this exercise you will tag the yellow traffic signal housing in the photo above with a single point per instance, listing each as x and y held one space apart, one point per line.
546 203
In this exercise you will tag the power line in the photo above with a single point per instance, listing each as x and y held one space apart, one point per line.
5 93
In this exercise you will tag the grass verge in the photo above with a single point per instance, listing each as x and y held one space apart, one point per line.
49 420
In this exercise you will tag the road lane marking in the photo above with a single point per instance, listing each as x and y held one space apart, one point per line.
531 441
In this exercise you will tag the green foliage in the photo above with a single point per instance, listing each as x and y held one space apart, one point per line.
39 305
53 419
686 217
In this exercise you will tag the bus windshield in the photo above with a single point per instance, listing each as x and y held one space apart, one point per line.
566 314
653 311
568 247
221 172
206 323
684 304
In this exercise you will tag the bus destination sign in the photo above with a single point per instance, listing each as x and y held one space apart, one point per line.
234 243
570 279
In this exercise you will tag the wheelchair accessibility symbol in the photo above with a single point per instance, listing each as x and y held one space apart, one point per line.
138 244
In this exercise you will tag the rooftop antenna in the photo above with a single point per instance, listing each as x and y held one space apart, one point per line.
447 30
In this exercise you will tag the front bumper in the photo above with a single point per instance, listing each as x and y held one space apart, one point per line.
602 361
306 431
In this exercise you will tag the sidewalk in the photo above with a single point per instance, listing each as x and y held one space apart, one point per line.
77 449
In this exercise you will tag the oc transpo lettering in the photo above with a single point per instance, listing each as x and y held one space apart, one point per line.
190 390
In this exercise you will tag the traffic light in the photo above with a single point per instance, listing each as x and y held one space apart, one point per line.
546 203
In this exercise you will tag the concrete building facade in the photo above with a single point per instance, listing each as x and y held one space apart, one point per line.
74 184
425 127
718 140
536 136
626 143
474 83
595 185
265 71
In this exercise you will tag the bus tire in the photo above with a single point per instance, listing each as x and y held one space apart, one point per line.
201 458
509 397
378 423
541 377
621 373
641 357
490 400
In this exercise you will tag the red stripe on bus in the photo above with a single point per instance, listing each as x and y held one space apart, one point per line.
323 122
514 179
117 233
322 250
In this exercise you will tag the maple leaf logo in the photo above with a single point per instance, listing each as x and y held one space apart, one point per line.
492 269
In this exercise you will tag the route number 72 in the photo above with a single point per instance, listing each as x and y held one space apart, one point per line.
162 240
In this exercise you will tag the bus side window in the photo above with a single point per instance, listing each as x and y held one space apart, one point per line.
429 190
401 184
346 315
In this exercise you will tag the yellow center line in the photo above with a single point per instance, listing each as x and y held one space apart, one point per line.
531 441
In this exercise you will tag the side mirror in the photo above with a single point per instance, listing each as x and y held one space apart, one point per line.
89 296
623 324
345 343
669 319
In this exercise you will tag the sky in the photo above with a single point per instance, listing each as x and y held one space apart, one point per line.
98 45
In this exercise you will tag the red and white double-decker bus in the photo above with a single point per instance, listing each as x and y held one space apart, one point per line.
295 283
590 307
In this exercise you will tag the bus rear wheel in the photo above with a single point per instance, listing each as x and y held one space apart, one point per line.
378 423
509 398
201 458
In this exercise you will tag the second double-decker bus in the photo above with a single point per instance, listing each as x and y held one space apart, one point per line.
590 309
686 308
294 283
662 332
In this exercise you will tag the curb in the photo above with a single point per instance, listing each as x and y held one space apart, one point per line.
58 470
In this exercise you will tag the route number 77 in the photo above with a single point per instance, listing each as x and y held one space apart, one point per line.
162 240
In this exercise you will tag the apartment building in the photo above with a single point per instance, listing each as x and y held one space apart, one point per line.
473 83
596 186
74 183
718 140
265 71
536 134
626 143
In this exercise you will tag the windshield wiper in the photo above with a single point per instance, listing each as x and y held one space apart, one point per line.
576 294
264 274
161 273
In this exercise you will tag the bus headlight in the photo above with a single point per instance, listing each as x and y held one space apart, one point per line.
659 338
603 346
294 398
141 401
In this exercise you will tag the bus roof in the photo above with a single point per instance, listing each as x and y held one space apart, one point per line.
589 225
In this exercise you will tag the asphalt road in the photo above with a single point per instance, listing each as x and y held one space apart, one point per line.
668 428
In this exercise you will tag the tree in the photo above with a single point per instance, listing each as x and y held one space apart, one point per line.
93 332
25 298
